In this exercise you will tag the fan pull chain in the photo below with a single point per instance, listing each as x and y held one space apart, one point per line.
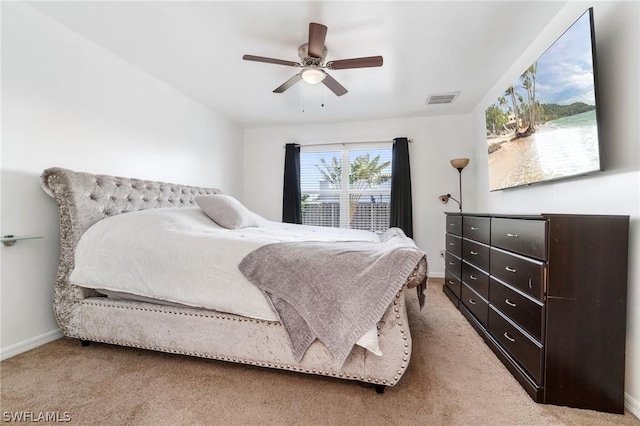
322 104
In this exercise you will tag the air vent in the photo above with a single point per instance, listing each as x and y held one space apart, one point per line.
442 98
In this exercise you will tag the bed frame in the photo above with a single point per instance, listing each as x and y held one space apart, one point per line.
84 199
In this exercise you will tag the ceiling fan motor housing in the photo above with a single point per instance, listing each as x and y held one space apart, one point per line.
306 60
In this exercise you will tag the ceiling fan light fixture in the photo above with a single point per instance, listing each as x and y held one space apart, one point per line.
312 75
312 63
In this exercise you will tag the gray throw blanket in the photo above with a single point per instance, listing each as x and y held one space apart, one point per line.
332 291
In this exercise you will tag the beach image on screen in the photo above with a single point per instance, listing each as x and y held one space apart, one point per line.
543 127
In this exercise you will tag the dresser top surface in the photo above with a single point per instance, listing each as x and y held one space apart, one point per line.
541 216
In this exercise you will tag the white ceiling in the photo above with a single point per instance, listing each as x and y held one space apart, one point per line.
429 47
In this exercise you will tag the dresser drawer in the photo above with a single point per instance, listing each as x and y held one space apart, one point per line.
476 253
453 263
476 279
526 351
452 282
454 244
475 303
520 309
527 275
477 228
454 224
522 236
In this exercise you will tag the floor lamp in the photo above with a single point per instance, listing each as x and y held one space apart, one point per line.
459 164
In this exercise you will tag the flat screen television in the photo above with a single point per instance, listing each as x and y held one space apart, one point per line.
544 127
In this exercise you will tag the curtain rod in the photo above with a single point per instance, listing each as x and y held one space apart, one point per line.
342 143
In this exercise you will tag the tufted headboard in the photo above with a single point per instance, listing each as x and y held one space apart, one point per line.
84 199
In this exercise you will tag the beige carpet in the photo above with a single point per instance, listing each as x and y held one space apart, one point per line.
453 378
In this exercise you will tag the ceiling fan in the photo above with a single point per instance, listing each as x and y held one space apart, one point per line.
312 56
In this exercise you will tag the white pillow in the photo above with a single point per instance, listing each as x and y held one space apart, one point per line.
227 212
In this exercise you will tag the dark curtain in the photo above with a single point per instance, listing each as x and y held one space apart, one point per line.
292 200
401 214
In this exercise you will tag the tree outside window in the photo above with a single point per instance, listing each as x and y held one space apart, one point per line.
363 203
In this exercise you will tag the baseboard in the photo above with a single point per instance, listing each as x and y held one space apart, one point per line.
29 344
632 405
436 274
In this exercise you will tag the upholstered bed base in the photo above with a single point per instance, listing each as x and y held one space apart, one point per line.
84 199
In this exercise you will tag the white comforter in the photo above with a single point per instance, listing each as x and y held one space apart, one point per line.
179 255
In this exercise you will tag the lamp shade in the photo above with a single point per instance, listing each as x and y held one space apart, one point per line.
460 163
444 198
312 75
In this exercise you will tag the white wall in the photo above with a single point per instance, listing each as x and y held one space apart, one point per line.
67 102
615 191
436 140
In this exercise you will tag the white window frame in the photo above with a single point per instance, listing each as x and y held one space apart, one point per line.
345 190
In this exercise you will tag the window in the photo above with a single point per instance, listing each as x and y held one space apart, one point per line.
355 196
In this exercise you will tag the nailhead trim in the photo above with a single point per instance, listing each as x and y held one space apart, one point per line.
205 314
169 310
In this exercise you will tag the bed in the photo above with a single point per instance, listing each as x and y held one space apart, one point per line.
87 311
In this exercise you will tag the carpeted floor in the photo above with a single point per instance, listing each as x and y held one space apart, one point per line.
453 378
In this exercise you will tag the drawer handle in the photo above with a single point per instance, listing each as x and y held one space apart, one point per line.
452 224
452 282
452 244
452 263
473 253
509 338
473 302
512 235
472 277
530 284
473 228
510 269
509 302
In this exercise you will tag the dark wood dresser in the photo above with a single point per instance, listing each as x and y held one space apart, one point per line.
548 294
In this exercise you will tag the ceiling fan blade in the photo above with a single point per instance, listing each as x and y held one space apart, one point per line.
317 35
287 84
366 62
334 86
270 60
